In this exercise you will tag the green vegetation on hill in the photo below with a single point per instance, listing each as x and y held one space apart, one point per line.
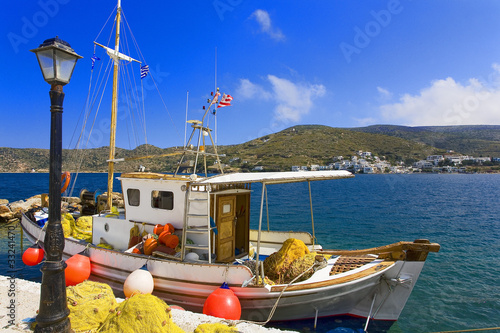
297 145
478 140
315 144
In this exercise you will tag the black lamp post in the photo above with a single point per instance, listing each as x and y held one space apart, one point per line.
57 60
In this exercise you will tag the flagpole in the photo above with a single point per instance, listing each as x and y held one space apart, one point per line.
185 124
215 109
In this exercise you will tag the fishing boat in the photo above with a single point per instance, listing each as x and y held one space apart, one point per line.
210 215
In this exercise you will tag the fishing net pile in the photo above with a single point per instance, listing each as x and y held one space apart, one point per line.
79 229
93 308
140 313
215 328
89 304
293 259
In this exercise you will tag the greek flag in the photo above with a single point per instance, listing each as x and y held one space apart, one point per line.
93 59
144 71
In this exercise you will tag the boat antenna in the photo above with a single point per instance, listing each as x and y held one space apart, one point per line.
185 124
215 87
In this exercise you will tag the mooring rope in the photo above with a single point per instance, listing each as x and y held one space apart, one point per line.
472 330
262 323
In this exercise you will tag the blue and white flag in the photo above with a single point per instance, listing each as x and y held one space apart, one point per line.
93 59
144 71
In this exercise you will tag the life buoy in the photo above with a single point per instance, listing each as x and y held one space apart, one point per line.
65 178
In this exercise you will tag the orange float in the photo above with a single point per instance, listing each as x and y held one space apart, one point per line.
169 227
33 255
223 303
65 178
158 229
169 240
78 269
149 246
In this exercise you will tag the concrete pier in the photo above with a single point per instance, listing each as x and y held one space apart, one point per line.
19 301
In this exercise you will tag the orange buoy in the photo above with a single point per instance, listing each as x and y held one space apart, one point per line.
169 240
169 227
78 269
65 178
223 303
158 229
33 255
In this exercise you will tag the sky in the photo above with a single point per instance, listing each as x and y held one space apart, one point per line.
340 63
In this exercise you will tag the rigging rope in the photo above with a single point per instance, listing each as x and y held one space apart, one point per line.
271 314
152 78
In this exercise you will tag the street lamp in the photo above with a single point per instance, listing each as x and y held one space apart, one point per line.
57 60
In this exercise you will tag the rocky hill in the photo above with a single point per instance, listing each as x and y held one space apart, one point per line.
478 140
297 145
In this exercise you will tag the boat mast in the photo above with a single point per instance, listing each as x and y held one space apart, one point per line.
114 108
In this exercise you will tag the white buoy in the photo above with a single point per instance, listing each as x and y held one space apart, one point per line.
139 281
192 256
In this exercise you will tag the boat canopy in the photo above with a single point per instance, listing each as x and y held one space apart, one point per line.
276 177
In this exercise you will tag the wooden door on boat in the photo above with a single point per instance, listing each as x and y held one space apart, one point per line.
226 216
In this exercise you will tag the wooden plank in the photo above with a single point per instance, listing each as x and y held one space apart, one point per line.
417 246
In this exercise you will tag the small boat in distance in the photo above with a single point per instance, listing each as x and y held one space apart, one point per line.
210 216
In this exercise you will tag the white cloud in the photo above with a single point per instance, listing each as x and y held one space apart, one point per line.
292 100
384 93
248 90
264 20
447 102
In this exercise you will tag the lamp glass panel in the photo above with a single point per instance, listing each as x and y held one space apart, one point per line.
46 61
65 63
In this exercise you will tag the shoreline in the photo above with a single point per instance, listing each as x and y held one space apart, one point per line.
25 296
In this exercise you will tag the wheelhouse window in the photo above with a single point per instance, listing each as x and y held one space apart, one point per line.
134 197
162 200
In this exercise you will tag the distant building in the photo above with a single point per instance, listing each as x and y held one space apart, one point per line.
258 168
367 170
423 164
365 154
435 159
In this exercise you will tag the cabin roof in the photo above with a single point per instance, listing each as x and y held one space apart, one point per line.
276 177
152 175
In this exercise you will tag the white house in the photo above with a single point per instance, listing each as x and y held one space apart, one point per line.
423 164
435 159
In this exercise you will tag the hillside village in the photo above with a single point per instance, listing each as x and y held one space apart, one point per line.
365 162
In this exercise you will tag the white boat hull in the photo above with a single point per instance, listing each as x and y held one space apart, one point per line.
189 284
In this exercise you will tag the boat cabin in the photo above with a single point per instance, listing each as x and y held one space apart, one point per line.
207 218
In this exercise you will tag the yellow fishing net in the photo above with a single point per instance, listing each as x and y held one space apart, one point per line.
89 303
79 229
140 313
278 263
214 328
68 222
83 229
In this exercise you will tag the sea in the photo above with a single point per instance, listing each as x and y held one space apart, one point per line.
459 287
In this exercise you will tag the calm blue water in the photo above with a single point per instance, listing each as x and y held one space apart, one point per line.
459 287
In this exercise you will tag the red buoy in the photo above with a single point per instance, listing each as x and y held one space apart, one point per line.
33 255
78 269
223 303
